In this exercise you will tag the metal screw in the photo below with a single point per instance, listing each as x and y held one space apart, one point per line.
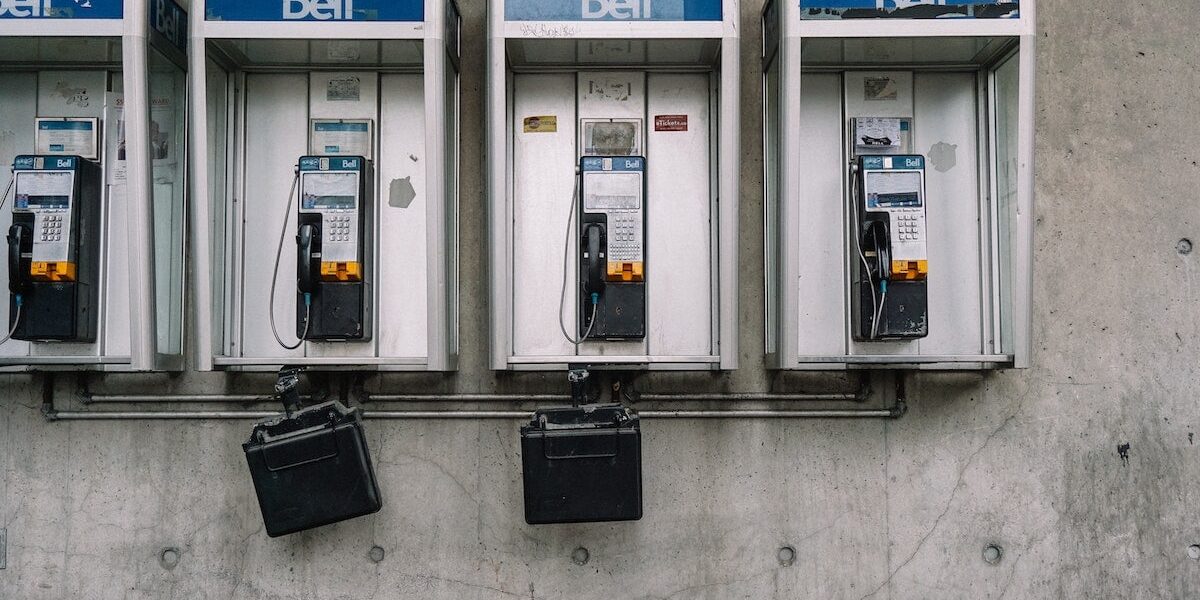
169 558
580 556
375 554
1184 246
1194 552
992 553
787 556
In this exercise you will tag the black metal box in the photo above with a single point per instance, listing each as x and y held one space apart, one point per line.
311 469
582 464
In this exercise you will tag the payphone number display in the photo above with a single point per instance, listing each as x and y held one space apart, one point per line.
893 189
330 191
44 190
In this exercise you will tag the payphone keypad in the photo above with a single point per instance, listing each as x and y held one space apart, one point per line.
909 225
625 242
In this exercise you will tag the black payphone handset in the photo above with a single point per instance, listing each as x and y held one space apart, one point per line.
53 247
891 300
332 298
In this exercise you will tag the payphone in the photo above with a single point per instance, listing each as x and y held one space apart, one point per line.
332 295
53 244
612 256
890 295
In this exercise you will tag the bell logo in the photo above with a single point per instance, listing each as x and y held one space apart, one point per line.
167 22
320 10
24 8
616 9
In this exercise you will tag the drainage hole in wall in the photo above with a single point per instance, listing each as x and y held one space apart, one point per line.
992 554
580 556
787 556
1194 552
169 558
375 554
1184 246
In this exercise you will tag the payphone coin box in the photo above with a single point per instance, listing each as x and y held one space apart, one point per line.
612 247
312 468
582 464
891 234
332 226
53 247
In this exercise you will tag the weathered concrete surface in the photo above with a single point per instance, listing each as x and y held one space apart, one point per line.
1026 460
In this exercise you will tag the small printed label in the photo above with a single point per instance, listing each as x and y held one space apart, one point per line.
670 122
541 124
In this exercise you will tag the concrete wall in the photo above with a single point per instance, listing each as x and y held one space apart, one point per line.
874 509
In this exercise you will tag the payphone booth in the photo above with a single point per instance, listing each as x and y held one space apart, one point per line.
326 216
899 183
613 183
95 180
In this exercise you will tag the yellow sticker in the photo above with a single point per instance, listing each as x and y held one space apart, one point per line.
542 124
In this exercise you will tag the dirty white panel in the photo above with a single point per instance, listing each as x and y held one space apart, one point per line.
874 94
115 269
72 93
614 95
277 122
401 277
945 133
879 94
821 226
83 94
679 208
349 95
544 166
18 96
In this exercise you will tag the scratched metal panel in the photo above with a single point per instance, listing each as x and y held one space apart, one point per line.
114 274
543 179
344 95
82 94
402 273
614 95
860 103
945 131
821 226
18 96
679 211
277 118
944 124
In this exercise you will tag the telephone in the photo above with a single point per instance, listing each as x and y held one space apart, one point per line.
53 248
612 255
891 301
332 297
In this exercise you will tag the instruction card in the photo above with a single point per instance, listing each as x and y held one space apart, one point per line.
876 132
343 137
68 136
